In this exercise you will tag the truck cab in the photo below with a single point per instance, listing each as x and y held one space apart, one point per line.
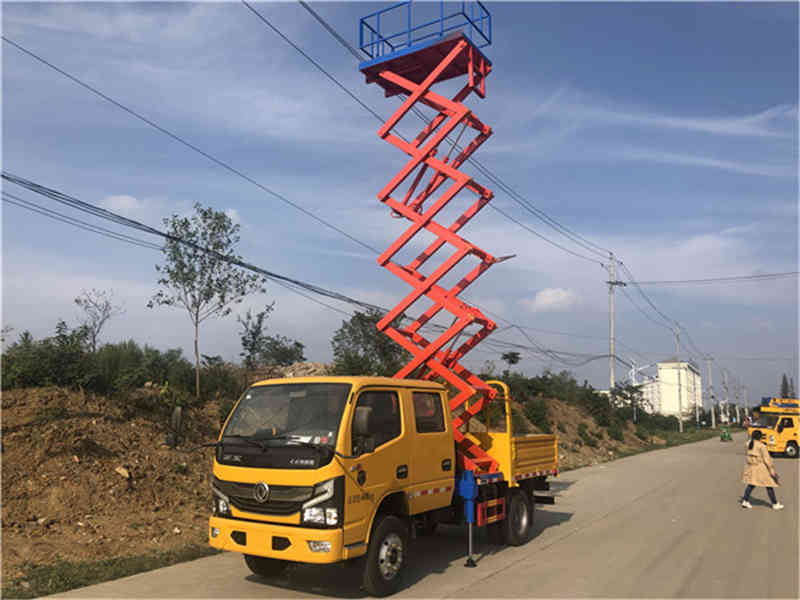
309 469
779 423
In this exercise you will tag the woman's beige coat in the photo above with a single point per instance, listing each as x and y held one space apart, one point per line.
758 469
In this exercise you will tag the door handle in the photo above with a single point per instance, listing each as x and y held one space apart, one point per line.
447 464
402 471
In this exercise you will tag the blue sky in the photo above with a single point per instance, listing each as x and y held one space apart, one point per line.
666 132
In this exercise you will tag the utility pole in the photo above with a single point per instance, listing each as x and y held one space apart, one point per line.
633 383
680 397
725 385
612 282
738 390
695 391
711 393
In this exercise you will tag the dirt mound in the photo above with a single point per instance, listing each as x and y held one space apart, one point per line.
82 480
303 369
573 449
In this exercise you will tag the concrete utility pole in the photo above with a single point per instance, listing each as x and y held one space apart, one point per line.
612 281
725 385
738 389
680 396
711 393
696 390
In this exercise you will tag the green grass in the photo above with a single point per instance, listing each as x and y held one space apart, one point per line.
64 575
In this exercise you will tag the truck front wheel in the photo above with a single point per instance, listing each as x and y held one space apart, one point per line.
519 517
791 450
386 556
265 567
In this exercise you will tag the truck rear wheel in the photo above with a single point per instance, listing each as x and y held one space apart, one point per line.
518 523
265 567
386 556
791 450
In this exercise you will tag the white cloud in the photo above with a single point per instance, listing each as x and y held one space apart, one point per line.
551 300
233 215
127 206
675 158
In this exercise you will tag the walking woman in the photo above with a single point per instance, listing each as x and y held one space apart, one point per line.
759 471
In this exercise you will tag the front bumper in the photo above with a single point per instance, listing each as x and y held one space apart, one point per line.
275 541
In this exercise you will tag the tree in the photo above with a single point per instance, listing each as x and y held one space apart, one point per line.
511 358
198 273
4 333
252 336
259 348
791 388
785 392
282 351
359 348
98 309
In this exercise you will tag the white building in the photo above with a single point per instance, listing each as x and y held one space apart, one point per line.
674 378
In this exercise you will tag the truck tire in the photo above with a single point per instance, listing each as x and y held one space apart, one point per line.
386 556
265 567
518 524
791 450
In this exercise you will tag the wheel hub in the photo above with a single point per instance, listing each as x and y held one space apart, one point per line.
390 556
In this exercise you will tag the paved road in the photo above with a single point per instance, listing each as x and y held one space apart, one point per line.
660 524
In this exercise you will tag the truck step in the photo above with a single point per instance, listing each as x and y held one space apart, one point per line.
542 499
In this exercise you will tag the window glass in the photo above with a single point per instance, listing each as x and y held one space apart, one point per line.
428 412
383 419
767 421
308 412
786 422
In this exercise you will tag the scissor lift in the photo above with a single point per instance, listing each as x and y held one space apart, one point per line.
410 62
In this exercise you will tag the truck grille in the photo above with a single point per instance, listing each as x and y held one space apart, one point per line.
283 499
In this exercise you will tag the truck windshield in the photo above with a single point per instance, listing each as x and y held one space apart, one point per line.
768 421
305 412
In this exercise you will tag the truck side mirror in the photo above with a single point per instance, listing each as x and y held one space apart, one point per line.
780 428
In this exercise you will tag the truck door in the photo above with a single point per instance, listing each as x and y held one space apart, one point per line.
380 465
785 431
432 454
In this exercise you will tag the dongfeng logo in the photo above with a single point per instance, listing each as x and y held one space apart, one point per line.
301 461
261 492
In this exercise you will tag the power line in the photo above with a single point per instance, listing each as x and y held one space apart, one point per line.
106 214
33 207
761 277
191 146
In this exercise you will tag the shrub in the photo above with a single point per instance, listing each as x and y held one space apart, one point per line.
536 411
642 433
585 436
517 422
562 428
61 360
615 432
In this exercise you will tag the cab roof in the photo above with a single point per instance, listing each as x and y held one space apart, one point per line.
357 381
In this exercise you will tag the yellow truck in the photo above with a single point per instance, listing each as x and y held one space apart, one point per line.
778 420
328 469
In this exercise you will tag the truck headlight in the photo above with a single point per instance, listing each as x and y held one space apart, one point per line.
314 515
325 507
222 504
331 516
